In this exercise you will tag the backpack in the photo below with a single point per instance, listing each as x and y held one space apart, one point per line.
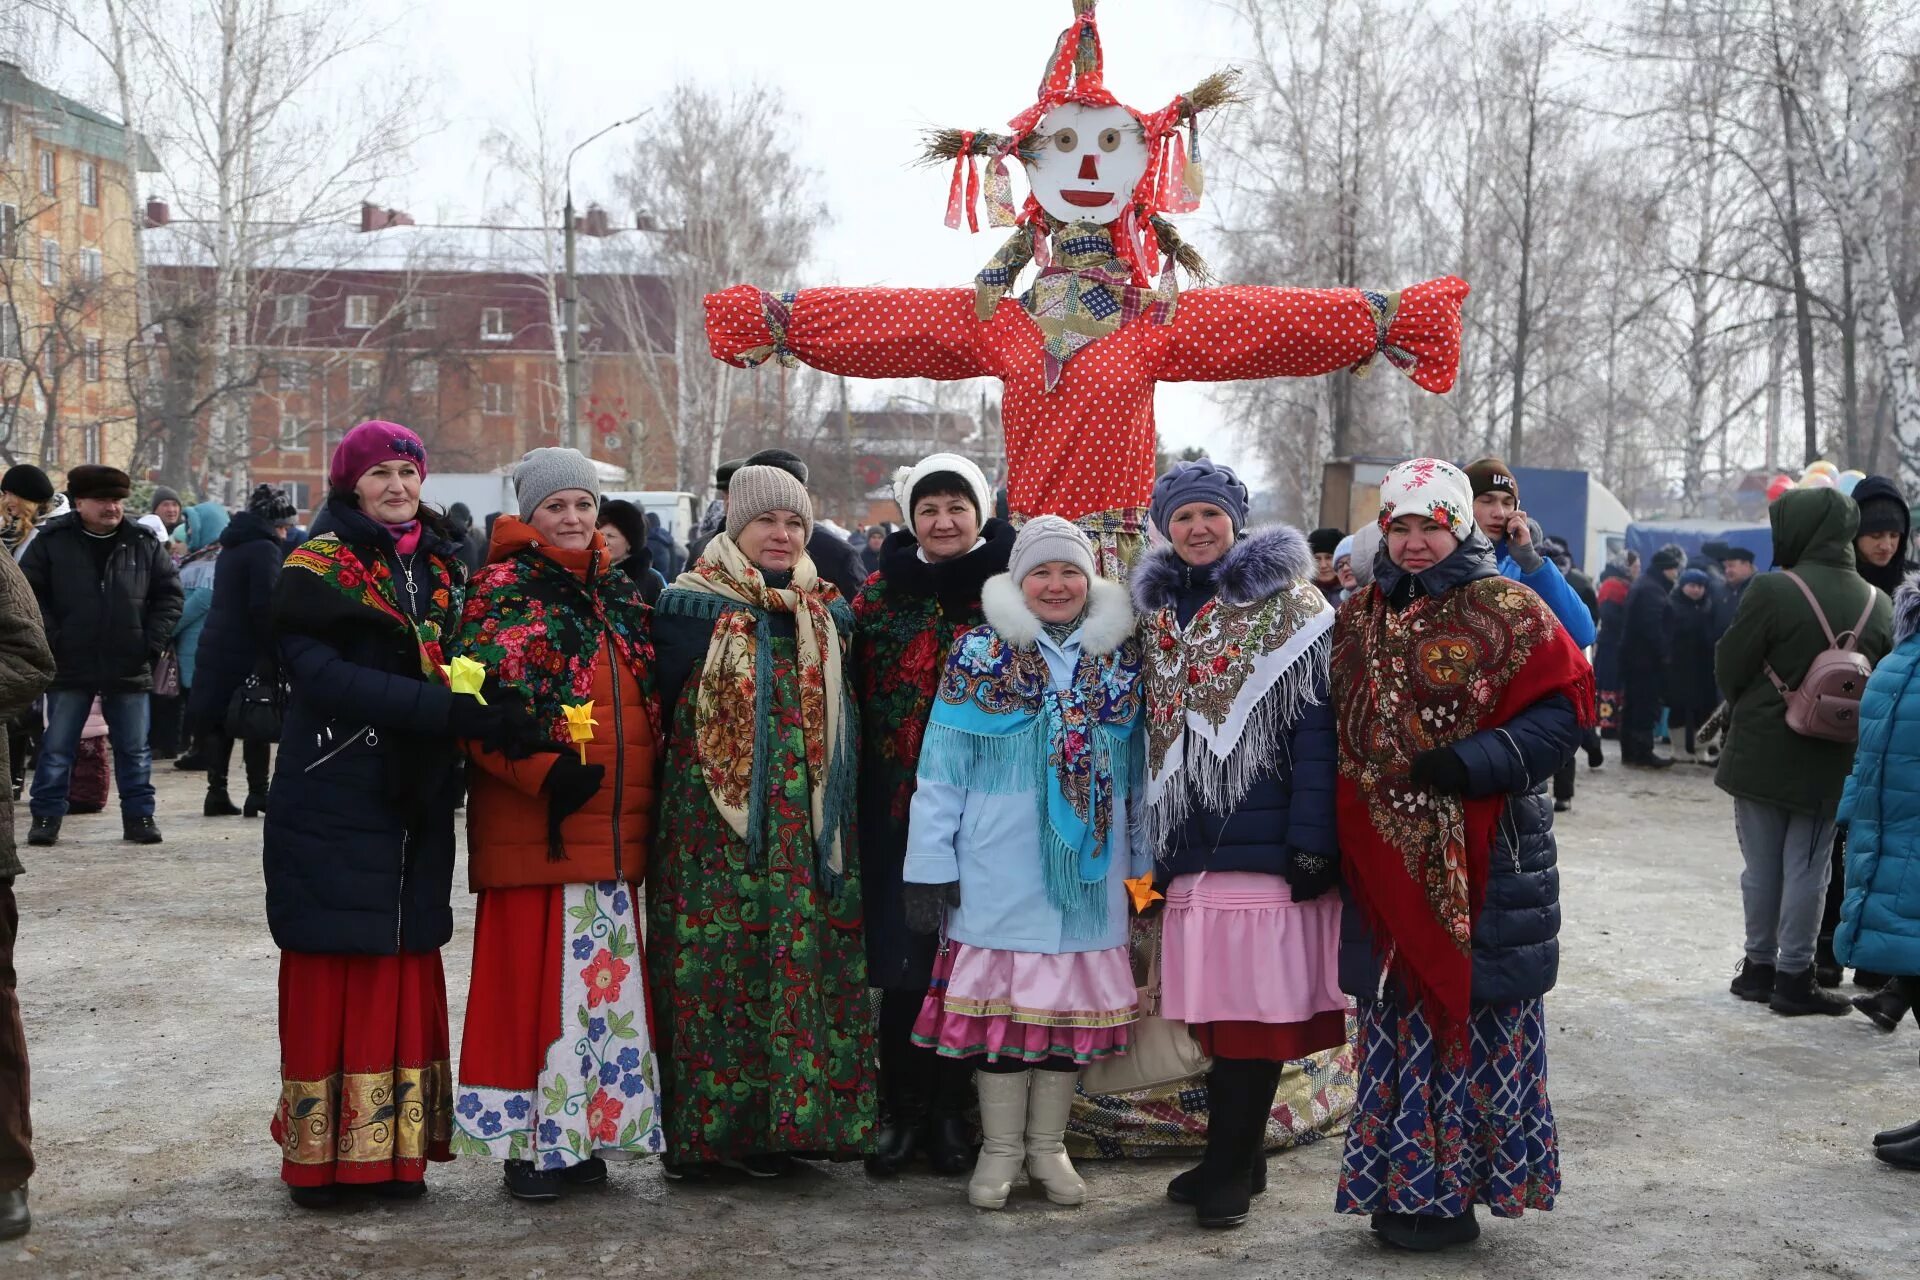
1827 703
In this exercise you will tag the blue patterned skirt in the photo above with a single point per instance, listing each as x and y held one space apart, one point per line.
1430 1136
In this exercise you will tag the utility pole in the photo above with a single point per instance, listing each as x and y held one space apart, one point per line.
570 303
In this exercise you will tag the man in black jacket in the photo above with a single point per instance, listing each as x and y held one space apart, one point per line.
109 596
1643 659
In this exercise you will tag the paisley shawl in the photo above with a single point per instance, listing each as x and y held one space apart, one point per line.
326 582
1430 675
1000 728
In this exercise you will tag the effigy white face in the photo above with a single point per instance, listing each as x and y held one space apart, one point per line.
1087 162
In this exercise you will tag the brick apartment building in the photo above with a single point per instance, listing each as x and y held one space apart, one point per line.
855 453
67 299
448 329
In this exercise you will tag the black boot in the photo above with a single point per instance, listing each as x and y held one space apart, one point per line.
140 830
1228 1199
1901 1155
950 1144
44 832
1797 994
219 804
1826 969
314 1197
15 1221
1429 1232
256 804
1905 1133
904 1105
1189 1187
1884 1008
524 1182
1868 980
1753 982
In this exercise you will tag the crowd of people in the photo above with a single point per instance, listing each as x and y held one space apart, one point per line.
789 849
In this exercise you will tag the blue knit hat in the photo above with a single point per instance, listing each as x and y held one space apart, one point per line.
1202 481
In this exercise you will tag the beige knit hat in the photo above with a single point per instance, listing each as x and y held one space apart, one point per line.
754 491
1045 539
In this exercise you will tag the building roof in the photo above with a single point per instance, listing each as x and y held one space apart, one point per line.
439 249
68 123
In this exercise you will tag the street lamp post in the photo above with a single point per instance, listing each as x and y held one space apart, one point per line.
570 306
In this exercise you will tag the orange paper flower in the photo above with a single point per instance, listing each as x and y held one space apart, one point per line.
1142 892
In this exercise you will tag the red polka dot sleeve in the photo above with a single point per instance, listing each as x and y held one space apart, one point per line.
861 333
1262 332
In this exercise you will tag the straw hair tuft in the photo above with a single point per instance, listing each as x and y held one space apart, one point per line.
1221 89
1180 251
942 146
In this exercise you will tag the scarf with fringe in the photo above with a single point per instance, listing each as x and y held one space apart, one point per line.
999 727
734 701
1222 693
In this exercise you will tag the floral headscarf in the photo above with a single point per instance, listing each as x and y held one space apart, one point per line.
1432 488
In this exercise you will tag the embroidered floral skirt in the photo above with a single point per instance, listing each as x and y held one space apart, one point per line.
758 965
1432 1136
1027 1006
364 1081
556 1057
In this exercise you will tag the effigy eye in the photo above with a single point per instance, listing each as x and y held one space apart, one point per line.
1066 140
1110 140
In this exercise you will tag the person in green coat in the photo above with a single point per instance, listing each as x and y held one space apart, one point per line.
1786 787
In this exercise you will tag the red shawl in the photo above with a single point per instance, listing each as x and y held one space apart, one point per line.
1430 675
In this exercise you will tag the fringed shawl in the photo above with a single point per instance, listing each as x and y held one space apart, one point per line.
1000 728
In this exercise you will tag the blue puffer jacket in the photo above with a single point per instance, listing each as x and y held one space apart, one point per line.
1552 587
1880 918
1290 804
1516 936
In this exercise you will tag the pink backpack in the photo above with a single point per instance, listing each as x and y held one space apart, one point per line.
1827 703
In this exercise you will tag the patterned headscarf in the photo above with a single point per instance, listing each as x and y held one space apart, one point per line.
1432 488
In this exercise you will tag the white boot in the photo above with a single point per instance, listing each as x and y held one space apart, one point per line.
1003 1124
1048 1110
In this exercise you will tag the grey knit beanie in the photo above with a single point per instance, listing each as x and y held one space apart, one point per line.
545 472
758 490
1044 539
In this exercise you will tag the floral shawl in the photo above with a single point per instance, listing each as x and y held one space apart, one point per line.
1000 728
1406 681
735 696
1224 690
327 583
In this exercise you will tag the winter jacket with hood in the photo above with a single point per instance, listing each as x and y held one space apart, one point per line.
238 638
1516 935
991 844
1289 804
1888 577
507 830
904 621
1691 635
26 668
1644 649
359 838
1764 761
1880 919
106 629
205 523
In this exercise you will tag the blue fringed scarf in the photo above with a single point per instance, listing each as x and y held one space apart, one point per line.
998 727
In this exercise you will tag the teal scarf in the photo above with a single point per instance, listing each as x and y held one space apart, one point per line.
1000 728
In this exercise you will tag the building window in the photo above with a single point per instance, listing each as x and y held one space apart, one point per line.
493 325
9 333
360 311
331 435
90 268
294 375
50 263
297 493
48 185
90 360
9 231
362 376
423 313
90 183
290 311
6 131
423 377
293 434
496 397
90 443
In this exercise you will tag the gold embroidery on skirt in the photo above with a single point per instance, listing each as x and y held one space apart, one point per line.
367 1118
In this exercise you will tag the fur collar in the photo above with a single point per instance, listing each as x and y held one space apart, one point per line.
1906 610
1107 625
1257 567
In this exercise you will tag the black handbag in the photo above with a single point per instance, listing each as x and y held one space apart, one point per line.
255 711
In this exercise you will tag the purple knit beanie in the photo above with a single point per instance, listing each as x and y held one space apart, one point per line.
370 444
1201 481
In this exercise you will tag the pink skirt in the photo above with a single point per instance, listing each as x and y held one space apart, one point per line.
1236 947
1027 1006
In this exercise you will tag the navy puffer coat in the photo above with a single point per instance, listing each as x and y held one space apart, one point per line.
1516 936
238 637
359 837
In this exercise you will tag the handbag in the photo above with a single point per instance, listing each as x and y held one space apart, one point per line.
254 712
1164 1050
166 674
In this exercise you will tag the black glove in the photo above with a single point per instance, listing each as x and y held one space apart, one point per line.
570 785
502 726
926 903
1310 874
1442 769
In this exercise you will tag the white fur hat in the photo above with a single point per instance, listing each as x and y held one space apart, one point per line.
907 479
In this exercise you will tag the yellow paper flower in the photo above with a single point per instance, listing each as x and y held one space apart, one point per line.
1142 892
580 723
464 675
